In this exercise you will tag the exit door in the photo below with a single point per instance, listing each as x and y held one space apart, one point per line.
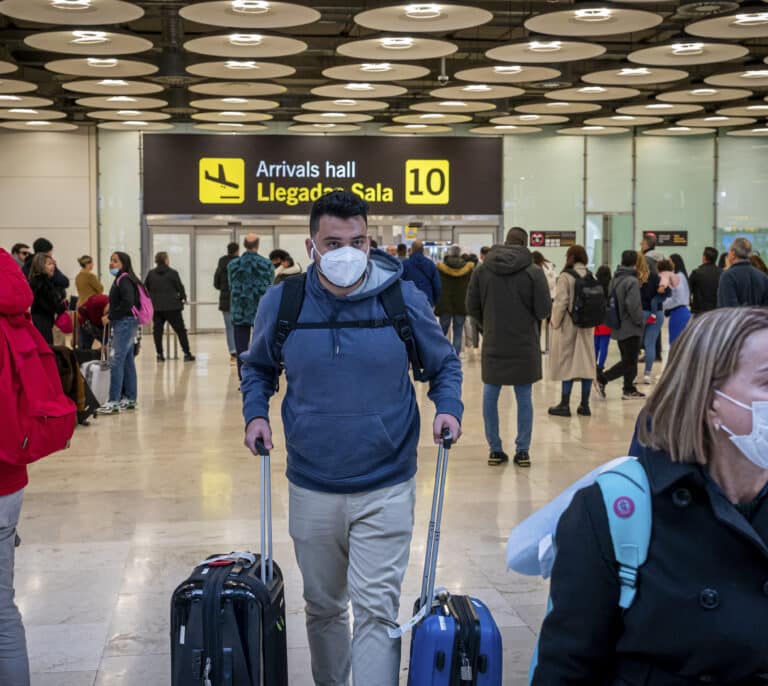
607 236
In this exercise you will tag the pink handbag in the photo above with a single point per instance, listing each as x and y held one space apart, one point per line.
64 323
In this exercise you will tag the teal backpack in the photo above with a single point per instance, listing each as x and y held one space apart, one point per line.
627 498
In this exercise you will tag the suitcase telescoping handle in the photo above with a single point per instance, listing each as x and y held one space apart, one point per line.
267 566
433 536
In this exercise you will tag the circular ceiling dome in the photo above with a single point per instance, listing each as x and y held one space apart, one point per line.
632 75
476 91
592 21
593 93
686 52
345 105
249 14
241 69
72 12
101 67
505 130
244 45
359 90
112 87
82 42
423 18
746 24
375 71
415 129
397 48
237 89
453 106
435 118
237 104
557 108
320 128
38 126
593 131
678 131
545 51
137 125
225 127
507 73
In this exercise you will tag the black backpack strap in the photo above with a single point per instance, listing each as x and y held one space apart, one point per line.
394 305
291 301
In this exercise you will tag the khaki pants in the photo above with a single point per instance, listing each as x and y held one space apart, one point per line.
14 665
352 547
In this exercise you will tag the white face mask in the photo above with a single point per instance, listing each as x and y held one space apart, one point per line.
343 267
753 446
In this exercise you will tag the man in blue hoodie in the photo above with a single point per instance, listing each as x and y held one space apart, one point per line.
423 272
352 429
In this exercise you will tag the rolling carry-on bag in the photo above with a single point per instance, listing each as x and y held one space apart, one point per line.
228 617
455 639
96 372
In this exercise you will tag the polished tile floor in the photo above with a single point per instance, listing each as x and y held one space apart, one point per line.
110 526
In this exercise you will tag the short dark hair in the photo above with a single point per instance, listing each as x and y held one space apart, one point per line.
278 254
232 248
629 258
341 204
710 255
517 236
161 257
42 245
18 247
485 250
402 248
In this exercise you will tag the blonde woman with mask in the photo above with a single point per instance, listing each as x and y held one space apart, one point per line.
699 613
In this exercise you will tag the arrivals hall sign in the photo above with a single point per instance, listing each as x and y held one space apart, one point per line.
208 174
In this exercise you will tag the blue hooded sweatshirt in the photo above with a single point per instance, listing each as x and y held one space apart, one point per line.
350 414
423 272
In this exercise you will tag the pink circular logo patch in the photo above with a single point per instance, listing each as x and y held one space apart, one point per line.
624 507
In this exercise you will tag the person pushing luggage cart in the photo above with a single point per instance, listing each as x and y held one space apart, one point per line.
346 333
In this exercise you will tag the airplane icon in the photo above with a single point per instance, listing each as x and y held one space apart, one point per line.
221 178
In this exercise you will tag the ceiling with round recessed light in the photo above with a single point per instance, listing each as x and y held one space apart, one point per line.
141 64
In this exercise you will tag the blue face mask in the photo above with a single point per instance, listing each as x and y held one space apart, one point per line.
114 271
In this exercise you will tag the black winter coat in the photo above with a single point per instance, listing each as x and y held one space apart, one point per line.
704 284
701 611
508 296
741 285
123 297
221 282
165 288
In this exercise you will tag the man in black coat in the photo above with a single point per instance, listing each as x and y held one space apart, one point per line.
741 285
43 245
508 297
168 297
221 284
705 282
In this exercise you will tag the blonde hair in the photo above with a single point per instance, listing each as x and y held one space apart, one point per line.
643 270
706 354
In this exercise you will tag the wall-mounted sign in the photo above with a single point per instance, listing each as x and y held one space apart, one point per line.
552 239
206 174
669 238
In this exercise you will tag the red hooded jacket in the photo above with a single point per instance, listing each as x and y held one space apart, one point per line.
36 419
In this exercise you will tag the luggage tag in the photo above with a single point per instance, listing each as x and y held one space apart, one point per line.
230 559
403 629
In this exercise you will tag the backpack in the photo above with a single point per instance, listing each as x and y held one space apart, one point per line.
627 498
292 300
42 418
613 311
589 301
145 311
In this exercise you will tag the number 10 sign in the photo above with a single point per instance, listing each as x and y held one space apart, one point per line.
427 182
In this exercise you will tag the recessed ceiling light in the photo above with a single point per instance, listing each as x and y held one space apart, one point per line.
23 111
688 48
89 37
376 67
558 104
432 116
121 98
70 4
129 113
659 106
592 90
423 11
529 117
358 87
397 43
758 107
755 74
623 117
592 128
333 114
112 82
716 119
601 14
415 126
452 103
345 102
230 124
239 64
37 123
234 101
10 97
324 126
631 71
135 123
753 19
250 6
505 127
246 39
678 128
507 69
232 114
477 88
102 62
545 46
704 91
759 130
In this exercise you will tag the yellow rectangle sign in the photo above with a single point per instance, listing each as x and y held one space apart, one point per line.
427 182
222 180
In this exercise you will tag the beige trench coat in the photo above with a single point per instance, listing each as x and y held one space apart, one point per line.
572 350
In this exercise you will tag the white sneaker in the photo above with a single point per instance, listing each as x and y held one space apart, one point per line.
109 408
126 404
647 379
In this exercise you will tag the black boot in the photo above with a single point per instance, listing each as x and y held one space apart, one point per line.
583 409
563 409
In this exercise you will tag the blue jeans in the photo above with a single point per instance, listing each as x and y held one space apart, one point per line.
242 343
651 335
523 394
586 388
458 328
601 350
230 331
122 370
678 320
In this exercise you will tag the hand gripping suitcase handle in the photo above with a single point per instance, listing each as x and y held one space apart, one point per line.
433 536
267 566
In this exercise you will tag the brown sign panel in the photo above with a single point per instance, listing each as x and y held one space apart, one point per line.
552 239
209 174
669 238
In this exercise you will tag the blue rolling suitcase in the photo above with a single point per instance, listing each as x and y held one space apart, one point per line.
457 643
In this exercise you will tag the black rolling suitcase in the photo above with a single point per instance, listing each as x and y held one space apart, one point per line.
228 617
